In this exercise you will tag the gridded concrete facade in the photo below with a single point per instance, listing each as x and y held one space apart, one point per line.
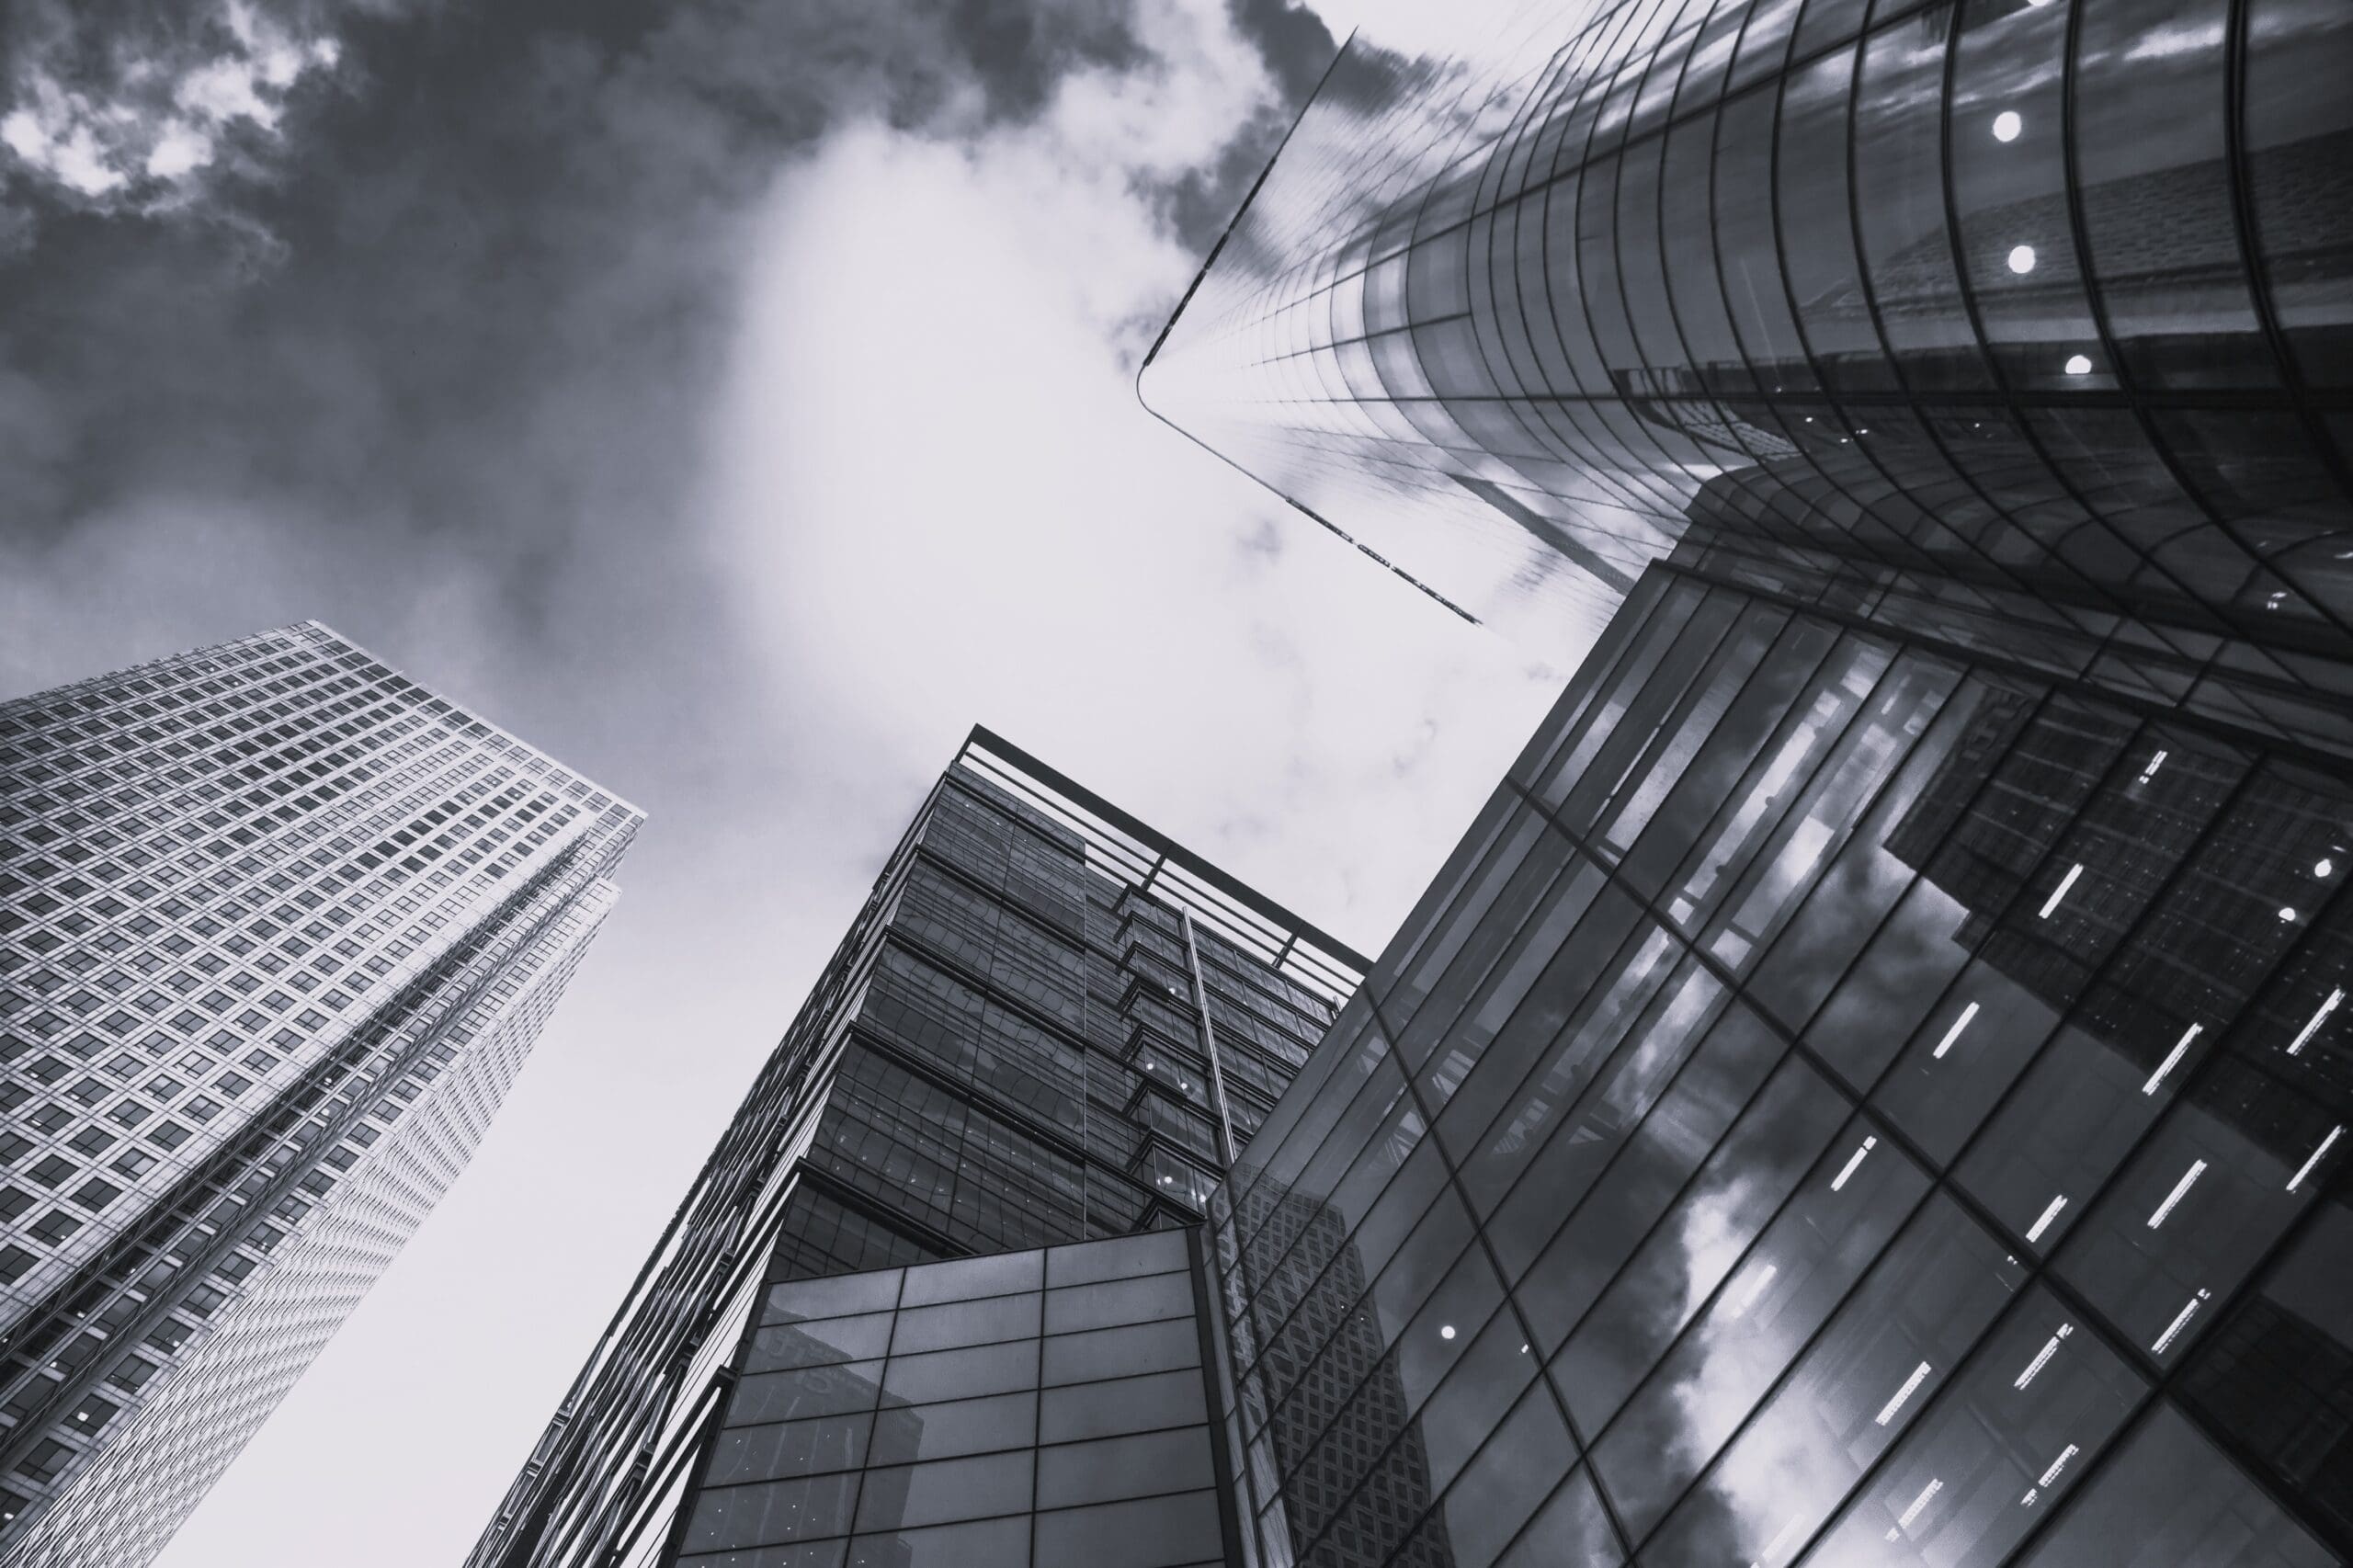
1845 1101
2021 323
277 930
1048 1025
1026 1410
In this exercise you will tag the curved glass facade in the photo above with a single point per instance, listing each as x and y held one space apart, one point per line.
2027 324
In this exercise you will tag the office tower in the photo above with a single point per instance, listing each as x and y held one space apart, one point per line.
1048 1026
278 926
1841 1103
2022 323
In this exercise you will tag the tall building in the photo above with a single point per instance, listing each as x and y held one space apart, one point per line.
278 926
1048 1026
2020 323
1845 1101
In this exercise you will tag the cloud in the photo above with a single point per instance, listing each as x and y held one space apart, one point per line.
735 399
113 109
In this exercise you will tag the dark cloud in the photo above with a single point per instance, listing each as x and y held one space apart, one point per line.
459 292
1297 48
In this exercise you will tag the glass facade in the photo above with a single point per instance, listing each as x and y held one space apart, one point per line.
277 927
1844 1101
2023 323
1043 1407
1048 1026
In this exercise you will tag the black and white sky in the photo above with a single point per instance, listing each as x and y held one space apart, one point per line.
735 398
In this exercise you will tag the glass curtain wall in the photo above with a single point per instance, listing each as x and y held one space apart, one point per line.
1842 1102
2025 323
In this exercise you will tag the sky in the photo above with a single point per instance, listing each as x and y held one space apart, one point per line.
734 400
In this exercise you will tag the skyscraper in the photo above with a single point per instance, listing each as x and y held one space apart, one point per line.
1842 1102
1048 1025
1991 319
278 926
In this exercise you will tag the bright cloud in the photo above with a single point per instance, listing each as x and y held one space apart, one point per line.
142 134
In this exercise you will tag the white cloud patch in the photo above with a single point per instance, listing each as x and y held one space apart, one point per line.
144 133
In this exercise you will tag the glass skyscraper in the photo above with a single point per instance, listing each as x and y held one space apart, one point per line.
1870 1088
2023 323
1048 1025
278 926
1842 1103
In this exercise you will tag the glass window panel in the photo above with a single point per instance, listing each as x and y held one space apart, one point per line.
1748 813
2223 1176
987 1543
1828 1233
817 1344
802 1554
1617 962
1702 1227
1544 960
1327 1274
2278 1375
1154 1252
1363 1123
1999 1450
1805 663
966 1277
960 1323
1637 795
1112 1467
1882 999
1120 1352
1829 1229
1883 1356
1601 1102
1659 606
1629 717
820 1390
1483 944
1711 1381
1628 1178
1514 1473
791 1448
1659 1152
1843 909
2149 130
903 1434
1970 1048
1573 1530
1476 1392
944 1489
1351 1052
1120 1405
962 1374
1900 205
772 1511
2297 122
2018 251
2168 1497
846 1295
1507 847
1119 1300
1157 1532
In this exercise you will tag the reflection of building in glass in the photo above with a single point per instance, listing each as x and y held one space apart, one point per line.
1845 1101
1324 1404
1990 321
277 927
1042 1406
1048 1025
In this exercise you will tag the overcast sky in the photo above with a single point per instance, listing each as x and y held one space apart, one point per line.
734 398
